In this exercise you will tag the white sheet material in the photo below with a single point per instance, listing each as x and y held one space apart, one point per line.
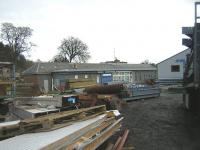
3 124
116 112
43 96
40 110
35 141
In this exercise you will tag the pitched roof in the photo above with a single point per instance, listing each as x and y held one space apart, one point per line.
186 50
46 68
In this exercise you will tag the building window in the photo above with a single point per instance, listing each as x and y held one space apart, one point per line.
86 76
175 68
57 82
122 76
76 76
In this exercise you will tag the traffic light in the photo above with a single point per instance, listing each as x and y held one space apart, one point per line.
188 41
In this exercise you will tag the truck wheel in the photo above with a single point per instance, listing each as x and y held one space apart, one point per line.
186 101
191 101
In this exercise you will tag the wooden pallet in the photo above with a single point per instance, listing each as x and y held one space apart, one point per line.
51 121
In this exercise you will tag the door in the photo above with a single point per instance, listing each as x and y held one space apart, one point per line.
106 78
46 86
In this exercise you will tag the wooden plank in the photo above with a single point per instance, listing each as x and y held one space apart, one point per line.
9 131
109 146
81 83
66 113
57 126
90 134
102 137
62 117
36 141
123 140
128 148
7 82
117 143
51 122
72 137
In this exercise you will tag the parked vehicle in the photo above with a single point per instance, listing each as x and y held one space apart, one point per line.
191 96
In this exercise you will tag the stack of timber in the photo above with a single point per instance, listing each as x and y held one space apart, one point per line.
89 100
85 128
80 83
105 89
109 95
120 142
27 89
6 89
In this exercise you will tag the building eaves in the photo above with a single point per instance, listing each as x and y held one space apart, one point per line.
47 68
110 68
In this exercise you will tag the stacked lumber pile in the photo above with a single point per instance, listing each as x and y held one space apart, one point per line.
85 128
105 89
27 89
119 144
80 83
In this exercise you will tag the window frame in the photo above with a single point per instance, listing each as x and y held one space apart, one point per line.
174 69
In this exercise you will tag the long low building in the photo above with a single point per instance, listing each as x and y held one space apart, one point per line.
50 75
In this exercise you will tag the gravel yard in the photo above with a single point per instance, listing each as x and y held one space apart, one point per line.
160 124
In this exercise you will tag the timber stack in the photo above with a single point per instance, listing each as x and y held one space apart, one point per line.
86 128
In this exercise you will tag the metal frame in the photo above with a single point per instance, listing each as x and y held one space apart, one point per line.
196 60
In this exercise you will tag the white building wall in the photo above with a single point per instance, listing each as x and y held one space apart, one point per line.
164 68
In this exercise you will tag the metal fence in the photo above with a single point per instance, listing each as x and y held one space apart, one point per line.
140 91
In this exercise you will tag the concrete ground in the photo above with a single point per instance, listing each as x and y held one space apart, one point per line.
160 124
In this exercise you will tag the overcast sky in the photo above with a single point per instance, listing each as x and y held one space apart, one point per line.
136 29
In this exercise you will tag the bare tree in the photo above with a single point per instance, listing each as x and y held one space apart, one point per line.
145 62
72 50
17 38
148 62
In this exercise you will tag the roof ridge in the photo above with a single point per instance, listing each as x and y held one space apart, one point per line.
51 67
188 49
